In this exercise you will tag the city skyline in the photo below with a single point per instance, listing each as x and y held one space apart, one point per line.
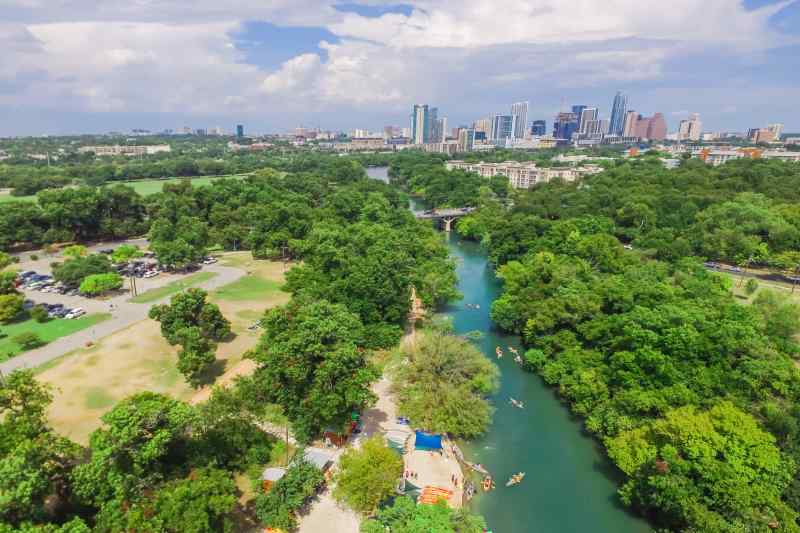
80 68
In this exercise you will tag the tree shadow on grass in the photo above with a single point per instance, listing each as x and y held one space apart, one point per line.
214 371
229 337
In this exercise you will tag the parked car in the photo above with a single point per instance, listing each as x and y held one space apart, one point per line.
150 274
75 313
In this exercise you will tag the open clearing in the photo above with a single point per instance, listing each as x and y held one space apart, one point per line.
89 381
47 331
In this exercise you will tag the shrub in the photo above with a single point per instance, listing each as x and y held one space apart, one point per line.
39 314
751 286
100 283
28 340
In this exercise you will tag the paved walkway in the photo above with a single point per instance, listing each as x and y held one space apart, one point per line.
123 315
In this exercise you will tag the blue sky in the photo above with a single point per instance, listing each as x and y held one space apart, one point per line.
78 66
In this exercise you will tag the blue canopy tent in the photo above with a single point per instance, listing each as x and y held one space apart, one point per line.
426 441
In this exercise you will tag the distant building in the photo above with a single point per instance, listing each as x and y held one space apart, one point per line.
484 126
652 128
565 125
128 150
629 126
466 139
539 128
578 111
239 131
420 124
690 129
503 127
519 111
524 175
618 111
587 116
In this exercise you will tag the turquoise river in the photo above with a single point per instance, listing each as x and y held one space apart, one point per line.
570 485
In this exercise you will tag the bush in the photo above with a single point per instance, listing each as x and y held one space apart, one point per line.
28 340
39 314
751 286
10 306
100 283
34 257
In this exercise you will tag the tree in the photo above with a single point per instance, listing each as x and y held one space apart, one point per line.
310 364
200 503
73 272
100 283
8 282
716 470
751 286
444 385
5 260
277 507
125 253
144 440
75 251
196 356
10 306
34 462
780 314
28 340
368 475
190 309
406 516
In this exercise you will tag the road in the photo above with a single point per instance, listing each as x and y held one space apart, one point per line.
123 314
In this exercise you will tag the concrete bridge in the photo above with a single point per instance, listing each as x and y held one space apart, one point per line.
445 215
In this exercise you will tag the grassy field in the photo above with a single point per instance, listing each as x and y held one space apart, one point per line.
48 331
90 381
171 288
143 187
249 287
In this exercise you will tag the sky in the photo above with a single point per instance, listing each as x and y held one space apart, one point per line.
83 66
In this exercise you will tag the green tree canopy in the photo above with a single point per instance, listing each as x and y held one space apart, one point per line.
310 363
368 475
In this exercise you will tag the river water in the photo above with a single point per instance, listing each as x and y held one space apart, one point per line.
570 485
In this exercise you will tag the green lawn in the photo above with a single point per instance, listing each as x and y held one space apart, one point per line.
48 331
147 187
9 198
143 187
171 288
247 288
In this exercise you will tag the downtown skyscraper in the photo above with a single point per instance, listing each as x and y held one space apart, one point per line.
420 124
519 111
617 123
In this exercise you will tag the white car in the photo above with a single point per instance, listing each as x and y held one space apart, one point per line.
75 313
150 274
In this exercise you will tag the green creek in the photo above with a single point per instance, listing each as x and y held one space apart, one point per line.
570 486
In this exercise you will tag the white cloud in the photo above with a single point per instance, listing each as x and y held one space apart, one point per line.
179 56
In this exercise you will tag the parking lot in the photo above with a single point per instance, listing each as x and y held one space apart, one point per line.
123 312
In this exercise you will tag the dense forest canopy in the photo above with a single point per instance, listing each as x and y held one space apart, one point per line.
693 393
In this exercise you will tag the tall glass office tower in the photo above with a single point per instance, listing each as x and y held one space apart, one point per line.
617 124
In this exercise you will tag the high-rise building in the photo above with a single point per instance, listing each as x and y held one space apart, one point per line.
539 128
629 126
653 128
578 110
777 130
617 123
466 139
483 125
420 124
565 125
690 129
503 127
438 131
239 131
588 114
519 111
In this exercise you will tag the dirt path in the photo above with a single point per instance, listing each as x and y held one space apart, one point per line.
242 368
124 314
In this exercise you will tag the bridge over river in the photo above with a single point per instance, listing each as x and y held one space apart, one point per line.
445 215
